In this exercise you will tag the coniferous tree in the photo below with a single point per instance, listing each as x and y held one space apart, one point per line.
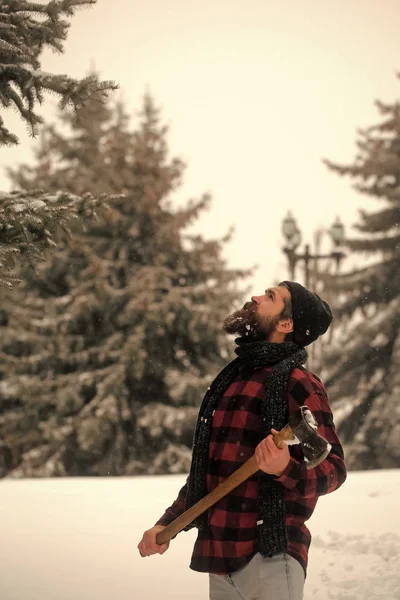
365 366
29 221
110 347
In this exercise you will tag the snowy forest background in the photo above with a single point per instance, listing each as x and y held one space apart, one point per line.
111 306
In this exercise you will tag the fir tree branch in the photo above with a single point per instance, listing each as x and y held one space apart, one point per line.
27 29
374 245
383 221
31 222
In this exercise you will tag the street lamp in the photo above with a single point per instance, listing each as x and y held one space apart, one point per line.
292 236
289 226
337 234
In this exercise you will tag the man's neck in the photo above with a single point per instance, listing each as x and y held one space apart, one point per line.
277 337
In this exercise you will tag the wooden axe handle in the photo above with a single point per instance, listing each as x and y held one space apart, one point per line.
244 472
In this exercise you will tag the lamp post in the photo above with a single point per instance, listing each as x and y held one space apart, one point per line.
292 236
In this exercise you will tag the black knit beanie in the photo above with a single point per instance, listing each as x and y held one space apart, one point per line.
311 315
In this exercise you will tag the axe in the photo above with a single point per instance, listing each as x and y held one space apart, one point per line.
301 429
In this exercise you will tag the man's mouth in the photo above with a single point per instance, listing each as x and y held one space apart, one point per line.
250 307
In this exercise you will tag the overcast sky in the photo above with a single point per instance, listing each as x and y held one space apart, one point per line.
255 93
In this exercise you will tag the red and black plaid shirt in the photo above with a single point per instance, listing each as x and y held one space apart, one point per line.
231 539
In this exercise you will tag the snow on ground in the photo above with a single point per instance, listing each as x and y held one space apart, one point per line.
76 539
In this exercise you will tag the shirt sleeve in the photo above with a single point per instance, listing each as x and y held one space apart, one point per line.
176 509
329 475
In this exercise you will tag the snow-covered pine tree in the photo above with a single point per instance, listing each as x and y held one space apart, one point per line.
107 351
365 366
29 221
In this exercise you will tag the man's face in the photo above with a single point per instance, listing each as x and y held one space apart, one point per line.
260 318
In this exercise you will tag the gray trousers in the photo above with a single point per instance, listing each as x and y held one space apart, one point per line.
280 577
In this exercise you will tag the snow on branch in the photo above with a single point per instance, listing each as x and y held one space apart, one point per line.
30 221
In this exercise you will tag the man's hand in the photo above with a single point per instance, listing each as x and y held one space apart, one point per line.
269 458
148 545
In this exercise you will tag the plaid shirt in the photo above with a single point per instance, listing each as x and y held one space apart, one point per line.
231 539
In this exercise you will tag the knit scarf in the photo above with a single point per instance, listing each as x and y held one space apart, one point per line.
283 358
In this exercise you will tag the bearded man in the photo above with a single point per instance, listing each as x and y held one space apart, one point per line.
254 542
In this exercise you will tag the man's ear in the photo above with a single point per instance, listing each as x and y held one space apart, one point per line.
285 326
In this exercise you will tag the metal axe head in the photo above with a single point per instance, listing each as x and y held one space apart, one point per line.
305 428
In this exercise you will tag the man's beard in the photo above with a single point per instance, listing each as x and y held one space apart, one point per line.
249 325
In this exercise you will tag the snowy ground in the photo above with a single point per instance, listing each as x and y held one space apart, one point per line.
75 539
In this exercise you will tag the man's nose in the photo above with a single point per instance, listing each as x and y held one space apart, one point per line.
256 299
